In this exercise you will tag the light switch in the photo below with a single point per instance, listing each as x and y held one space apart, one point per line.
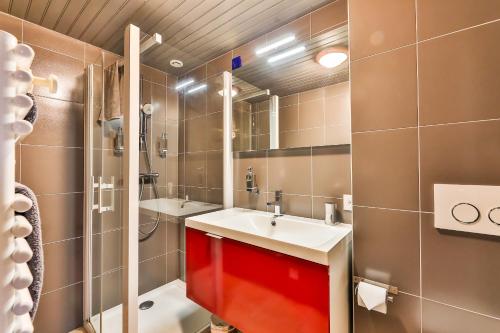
469 208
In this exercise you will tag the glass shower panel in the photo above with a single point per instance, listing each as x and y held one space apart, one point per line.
105 184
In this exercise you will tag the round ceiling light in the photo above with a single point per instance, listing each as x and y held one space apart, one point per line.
234 91
332 57
176 63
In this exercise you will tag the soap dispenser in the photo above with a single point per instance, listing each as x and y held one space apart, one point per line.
251 181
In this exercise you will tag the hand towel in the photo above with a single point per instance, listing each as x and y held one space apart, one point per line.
35 242
112 94
32 114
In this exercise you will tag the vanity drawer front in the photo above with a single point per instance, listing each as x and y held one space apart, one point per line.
258 290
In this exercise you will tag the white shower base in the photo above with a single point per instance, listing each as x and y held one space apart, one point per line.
172 312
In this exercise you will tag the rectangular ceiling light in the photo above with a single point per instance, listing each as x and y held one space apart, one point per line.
275 45
201 86
184 84
287 53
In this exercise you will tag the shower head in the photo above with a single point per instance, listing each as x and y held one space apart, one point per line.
147 109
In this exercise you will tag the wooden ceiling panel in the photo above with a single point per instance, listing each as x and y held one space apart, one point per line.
194 31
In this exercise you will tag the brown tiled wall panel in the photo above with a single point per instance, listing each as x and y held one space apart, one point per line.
444 92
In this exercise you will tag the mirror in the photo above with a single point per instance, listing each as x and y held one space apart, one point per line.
293 92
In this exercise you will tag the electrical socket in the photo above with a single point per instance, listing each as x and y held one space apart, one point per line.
348 202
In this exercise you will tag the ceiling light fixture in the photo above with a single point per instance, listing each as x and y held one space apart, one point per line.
287 53
275 45
332 57
176 63
195 89
184 84
234 91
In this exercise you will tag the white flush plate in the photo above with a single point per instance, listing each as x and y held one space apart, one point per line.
469 208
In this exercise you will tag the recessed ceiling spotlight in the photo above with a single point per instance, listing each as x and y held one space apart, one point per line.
184 84
275 45
287 53
332 57
234 91
176 63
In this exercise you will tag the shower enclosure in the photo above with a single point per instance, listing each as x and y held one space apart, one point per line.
145 173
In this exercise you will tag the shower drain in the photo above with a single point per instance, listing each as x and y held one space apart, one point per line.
146 305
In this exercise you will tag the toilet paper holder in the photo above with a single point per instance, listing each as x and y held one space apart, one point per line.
391 290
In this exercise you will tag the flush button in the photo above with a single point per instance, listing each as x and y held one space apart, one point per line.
494 215
465 213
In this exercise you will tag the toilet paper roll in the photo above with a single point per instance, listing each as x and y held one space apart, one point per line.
372 297
22 303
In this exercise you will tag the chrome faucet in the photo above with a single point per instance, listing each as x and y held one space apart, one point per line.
278 203
184 202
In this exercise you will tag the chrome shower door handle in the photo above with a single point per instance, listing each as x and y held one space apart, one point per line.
106 186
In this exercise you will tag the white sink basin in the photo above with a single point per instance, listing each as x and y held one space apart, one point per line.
301 237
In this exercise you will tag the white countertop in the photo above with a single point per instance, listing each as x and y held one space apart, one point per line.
174 207
304 238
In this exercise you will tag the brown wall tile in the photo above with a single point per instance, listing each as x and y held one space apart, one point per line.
298 205
49 39
64 222
248 200
219 64
384 91
287 170
173 266
156 245
331 171
458 76
319 209
214 131
387 247
289 118
196 134
69 72
441 318
64 164
372 26
61 310
458 154
385 169
153 274
445 16
214 169
402 316
12 25
328 17
59 123
63 264
460 269
196 169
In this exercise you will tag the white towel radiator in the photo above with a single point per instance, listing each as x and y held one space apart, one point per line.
15 80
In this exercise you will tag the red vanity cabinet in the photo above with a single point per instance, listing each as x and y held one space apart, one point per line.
255 289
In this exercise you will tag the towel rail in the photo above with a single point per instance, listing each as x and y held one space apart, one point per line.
16 79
